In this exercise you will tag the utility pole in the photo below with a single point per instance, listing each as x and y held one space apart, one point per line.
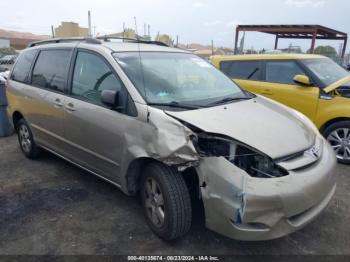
177 40
53 32
136 28
123 31
212 47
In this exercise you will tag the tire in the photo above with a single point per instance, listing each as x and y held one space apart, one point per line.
26 140
167 184
338 135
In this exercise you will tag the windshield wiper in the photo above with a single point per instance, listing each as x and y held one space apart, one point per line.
228 99
175 104
253 73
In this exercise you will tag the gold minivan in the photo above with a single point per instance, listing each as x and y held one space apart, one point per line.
314 85
165 123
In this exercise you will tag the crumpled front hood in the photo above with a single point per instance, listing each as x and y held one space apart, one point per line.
260 123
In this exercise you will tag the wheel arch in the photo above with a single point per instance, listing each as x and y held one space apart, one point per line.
16 116
331 122
134 173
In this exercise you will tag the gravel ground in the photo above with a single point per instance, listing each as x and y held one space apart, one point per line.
48 206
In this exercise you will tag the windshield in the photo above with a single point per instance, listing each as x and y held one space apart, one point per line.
177 78
326 70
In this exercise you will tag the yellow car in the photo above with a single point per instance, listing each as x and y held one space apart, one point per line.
314 85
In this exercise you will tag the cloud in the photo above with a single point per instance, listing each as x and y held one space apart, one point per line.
199 4
305 3
224 33
213 23
14 27
233 24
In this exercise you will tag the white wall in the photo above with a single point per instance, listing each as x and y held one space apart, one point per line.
4 43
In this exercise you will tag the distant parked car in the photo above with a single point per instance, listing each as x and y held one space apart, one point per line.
3 69
8 59
4 74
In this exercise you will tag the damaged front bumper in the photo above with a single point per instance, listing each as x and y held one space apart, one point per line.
248 208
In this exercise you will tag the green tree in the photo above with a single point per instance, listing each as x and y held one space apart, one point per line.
8 51
326 51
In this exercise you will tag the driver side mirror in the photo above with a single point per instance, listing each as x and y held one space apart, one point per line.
110 98
302 80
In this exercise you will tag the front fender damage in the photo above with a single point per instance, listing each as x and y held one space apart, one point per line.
164 139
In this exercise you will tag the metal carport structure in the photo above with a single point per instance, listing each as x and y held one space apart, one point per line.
312 32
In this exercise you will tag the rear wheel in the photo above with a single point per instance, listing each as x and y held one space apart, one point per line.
338 135
166 201
26 140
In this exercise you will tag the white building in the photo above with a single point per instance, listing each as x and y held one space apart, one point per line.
4 43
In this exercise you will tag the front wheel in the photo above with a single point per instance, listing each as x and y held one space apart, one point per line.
338 135
166 201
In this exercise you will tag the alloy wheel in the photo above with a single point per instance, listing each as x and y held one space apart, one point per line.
340 141
154 202
24 137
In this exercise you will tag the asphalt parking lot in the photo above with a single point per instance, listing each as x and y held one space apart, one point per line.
48 206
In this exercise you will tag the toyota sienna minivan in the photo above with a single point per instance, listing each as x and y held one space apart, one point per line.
166 124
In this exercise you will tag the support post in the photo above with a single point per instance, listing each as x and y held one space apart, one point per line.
313 42
344 47
236 40
276 42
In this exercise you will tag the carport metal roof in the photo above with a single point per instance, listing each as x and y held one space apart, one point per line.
312 32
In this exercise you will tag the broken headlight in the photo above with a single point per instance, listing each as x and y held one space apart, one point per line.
254 163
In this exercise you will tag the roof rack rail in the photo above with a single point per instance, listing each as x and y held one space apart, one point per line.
135 40
62 40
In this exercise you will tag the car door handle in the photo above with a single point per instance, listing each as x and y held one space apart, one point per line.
58 102
266 92
70 107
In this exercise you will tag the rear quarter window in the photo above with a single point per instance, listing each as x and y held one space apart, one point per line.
51 69
246 70
21 70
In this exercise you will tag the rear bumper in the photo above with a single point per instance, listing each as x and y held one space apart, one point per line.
246 208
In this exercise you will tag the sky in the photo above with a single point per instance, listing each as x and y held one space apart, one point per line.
194 21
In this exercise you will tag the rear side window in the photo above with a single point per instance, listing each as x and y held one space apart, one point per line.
51 69
21 71
282 71
247 70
